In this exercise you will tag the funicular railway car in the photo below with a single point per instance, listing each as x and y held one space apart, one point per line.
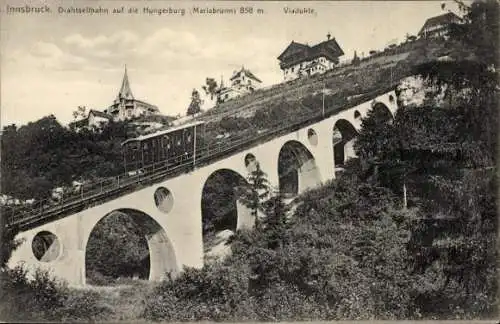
172 146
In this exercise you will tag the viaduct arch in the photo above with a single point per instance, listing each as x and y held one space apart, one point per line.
381 112
344 134
221 208
162 258
297 169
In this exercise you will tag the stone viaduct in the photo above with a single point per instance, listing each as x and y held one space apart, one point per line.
170 212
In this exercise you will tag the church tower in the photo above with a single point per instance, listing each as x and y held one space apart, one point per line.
125 106
125 91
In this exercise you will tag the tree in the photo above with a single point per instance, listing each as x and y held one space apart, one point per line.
43 155
356 59
254 194
81 112
276 210
457 231
373 136
432 151
479 30
211 88
275 223
469 87
443 151
195 105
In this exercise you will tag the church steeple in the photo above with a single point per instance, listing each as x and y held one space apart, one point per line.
125 91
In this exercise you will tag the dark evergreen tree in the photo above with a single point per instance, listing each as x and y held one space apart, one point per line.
356 60
195 105
276 220
255 194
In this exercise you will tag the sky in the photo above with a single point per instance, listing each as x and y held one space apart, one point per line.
51 63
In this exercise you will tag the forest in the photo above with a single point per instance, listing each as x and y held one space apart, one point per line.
44 155
407 231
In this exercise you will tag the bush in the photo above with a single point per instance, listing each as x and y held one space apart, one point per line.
212 293
342 256
345 254
45 298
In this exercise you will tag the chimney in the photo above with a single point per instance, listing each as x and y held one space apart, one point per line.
328 36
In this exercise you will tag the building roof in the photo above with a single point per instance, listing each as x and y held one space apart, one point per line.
164 132
298 52
100 114
246 72
444 19
80 123
125 91
330 46
148 104
293 47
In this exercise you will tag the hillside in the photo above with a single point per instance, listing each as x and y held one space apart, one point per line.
349 80
297 100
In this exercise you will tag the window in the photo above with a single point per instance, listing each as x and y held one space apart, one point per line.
189 138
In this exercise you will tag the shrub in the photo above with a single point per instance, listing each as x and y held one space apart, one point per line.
45 298
332 261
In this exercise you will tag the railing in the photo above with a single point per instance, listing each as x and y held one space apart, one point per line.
95 193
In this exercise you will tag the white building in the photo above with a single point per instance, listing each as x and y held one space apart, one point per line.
98 118
242 83
438 26
299 60
95 119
